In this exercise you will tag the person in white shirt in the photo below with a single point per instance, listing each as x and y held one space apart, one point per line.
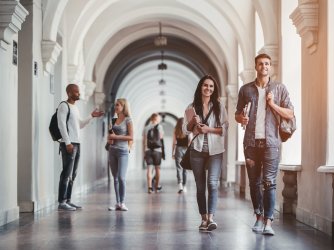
70 144
209 125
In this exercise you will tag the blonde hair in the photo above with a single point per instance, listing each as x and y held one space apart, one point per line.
126 106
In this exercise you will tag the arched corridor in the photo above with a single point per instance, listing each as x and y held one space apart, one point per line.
153 52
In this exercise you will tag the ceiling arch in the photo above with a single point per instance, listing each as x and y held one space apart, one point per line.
88 11
118 42
179 18
143 50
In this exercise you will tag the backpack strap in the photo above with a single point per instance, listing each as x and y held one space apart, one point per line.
205 120
67 117
68 113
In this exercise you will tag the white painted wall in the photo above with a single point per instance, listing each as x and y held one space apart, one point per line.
8 136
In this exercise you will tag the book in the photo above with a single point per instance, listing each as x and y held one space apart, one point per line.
190 113
246 112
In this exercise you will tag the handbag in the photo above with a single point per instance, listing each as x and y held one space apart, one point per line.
185 161
286 127
107 146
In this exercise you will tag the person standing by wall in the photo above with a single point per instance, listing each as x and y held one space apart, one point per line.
119 138
70 145
210 123
261 140
152 144
180 144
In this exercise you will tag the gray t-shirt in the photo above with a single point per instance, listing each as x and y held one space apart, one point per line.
121 129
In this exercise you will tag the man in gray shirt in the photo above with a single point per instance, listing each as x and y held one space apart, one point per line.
262 142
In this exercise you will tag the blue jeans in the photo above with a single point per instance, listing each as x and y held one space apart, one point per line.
181 174
69 172
118 162
200 161
262 165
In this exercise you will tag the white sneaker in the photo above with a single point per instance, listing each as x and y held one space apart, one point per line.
123 207
114 208
65 207
180 188
184 189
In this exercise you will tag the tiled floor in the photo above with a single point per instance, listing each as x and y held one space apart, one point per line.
166 220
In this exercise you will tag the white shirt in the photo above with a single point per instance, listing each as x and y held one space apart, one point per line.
215 141
260 131
74 123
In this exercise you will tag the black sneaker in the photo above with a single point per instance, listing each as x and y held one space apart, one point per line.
212 225
158 189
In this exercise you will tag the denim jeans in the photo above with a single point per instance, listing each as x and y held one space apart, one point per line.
118 162
181 174
200 161
69 172
262 165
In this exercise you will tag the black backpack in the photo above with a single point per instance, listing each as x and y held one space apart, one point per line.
153 138
53 127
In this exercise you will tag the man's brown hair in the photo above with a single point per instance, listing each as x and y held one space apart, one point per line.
263 55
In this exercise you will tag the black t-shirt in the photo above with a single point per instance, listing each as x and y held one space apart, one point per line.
182 142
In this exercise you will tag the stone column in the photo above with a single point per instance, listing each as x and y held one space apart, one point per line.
232 91
247 75
12 15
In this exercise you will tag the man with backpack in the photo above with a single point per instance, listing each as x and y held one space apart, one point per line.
259 102
69 124
153 150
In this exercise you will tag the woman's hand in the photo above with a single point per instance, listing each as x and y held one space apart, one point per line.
202 128
112 137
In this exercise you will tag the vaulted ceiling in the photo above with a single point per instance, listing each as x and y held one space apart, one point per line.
111 43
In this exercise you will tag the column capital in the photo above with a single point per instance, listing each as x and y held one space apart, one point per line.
12 15
89 88
305 18
99 98
50 53
248 75
73 73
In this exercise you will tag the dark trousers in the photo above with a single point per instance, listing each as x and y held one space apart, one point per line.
69 172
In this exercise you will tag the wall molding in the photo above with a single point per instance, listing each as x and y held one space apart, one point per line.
9 215
50 52
12 15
